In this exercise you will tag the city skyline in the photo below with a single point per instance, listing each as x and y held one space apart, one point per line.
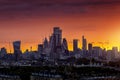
32 21
55 51
76 44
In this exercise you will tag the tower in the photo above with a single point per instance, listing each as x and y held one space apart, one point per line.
84 45
17 50
75 45
45 43
55 43
40 49
64 45
90 49
57 33
3 52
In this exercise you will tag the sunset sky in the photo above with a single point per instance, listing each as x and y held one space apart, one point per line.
32 20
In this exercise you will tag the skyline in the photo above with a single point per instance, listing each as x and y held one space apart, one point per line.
75 44
97 20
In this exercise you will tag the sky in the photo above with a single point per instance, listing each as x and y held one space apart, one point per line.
32 20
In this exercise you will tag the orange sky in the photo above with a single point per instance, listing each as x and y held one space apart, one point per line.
30 22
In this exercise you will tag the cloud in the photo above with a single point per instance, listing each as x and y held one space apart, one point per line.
13 8
25 4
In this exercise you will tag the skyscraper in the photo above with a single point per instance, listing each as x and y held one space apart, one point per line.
97 52
84 45
45 43
57 33
64 43
3 52
90 49
40 49
75 45
17 50
55 43
115 52
64 46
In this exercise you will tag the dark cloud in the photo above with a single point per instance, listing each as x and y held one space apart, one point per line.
24 4
13 8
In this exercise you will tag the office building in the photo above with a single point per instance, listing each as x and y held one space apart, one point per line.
64 45
45 43
115 52
40 49
84 43
75 45
90 49
3 52
17 50
84 46
56 43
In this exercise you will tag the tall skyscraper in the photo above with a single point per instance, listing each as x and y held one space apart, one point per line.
56 43
65 44
17 50
84 43
75 45
57 33
90 49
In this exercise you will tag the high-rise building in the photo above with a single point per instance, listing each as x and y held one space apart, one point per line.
3 52
65 44
115 52
84 43
110 56
84 46
75 45
90 49
56 43
17 50
57 33
97 52
45 43
40 49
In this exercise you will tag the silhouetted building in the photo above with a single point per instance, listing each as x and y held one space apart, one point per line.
55 43
3 53
57 36
110 56
40 49
64 45
97 52
17 50
115 52
45 43
84 45
90 49
75 45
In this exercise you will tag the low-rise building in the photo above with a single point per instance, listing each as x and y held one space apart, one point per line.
9 77
45 76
